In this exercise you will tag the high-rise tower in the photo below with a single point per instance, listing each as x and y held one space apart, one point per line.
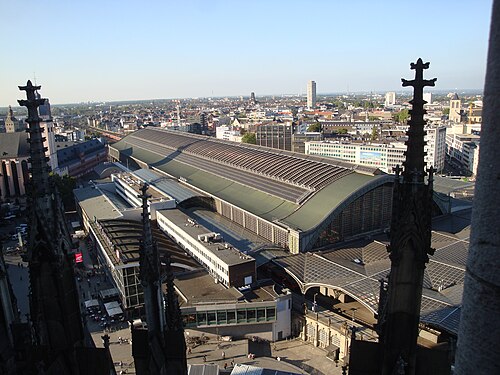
390 99
311 94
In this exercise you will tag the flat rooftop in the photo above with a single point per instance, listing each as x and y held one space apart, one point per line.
243 239
135 183
168 185
199 288
231 256
97 204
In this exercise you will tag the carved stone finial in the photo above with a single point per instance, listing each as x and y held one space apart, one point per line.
414 163
32 103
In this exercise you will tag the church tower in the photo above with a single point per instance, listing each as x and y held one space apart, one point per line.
10 121
455 109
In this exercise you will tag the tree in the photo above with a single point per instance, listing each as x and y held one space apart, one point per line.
65 185
374 133
342 131
249 138
446 111
401 116
316 127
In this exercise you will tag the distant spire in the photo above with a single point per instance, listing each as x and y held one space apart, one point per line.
10 113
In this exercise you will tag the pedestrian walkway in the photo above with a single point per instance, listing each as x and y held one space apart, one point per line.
295 356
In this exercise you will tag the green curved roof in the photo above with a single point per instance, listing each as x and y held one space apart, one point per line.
318 207
302 217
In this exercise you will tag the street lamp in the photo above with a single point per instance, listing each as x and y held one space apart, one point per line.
315 305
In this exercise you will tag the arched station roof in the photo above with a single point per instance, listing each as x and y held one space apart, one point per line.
293 190
357 269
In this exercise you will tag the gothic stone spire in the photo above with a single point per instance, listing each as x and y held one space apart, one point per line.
150 272
39 166
167 347
54 303
410 241
414 164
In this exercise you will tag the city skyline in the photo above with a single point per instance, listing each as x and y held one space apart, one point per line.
121 51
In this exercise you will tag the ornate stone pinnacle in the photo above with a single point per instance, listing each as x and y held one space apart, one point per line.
39 167
414 164
32 103
419 67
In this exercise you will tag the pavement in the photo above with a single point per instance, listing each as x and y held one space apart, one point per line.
295 356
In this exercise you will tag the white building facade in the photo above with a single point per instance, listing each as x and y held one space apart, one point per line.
382 156
463 149
228 134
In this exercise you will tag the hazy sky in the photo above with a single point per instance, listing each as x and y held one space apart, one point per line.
90 50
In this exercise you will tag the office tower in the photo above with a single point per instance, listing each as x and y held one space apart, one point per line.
390 98
311 94
275 136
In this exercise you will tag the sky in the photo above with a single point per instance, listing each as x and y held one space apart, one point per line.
109 50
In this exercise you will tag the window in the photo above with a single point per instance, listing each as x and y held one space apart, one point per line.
242 316
211 318
251 315
271 313
221 317
202 318
261 314
231 317
189 320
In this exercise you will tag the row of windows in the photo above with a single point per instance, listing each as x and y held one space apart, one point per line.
237 316
196 252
